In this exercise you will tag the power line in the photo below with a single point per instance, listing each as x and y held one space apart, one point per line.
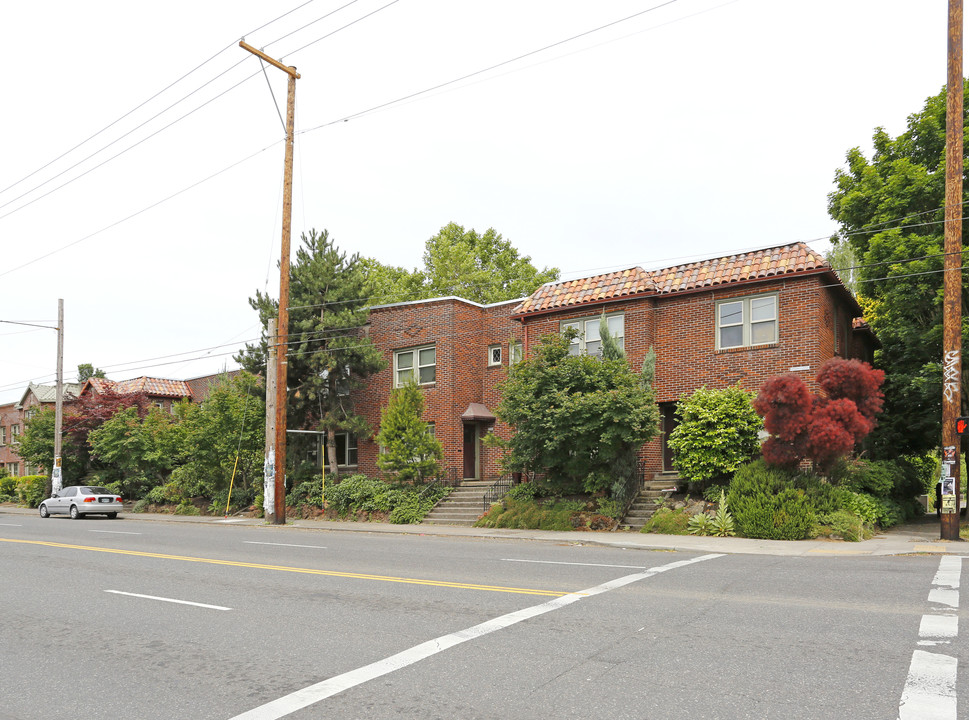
139 212
483 70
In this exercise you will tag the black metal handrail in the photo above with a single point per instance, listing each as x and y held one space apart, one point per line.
628 491
448 477
497 491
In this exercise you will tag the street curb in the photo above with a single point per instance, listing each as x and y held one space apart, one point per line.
916 538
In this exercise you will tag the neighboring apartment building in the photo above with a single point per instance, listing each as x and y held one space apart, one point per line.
736 319
161 392
10 426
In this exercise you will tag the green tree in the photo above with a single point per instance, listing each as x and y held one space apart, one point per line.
37 446
483 268
575 417
329 353
611 349
87 370
139 452
409 451
890 212
717 432
225 434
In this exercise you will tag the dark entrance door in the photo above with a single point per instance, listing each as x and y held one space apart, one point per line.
470 451
668 424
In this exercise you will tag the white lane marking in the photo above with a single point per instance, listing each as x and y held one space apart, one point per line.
939 626
557 562
254 542
950 567
231 520
171 600
327 688
930 688
9 525
944 596
115 532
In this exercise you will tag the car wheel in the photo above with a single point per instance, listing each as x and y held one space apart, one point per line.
75 515
44 512
112 516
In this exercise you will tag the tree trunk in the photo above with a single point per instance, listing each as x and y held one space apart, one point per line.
331 460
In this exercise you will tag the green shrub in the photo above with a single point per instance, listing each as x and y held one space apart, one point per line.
357 492
187 508
528 515
668 522
610 508
140 506
308 492
523 491
31 490
8 488
845 524
410 506
766 505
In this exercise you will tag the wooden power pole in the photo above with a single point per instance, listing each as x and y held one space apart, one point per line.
57 478
279 514
952 289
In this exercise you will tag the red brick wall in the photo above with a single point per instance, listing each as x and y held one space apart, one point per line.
9 416
461 333
681 329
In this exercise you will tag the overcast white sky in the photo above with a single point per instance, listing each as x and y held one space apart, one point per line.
696 129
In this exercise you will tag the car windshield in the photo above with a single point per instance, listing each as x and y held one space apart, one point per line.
96 491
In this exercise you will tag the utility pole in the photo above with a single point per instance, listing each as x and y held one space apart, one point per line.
57 479
952 289
279 514
269 468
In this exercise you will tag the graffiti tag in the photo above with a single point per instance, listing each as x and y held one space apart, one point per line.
950 375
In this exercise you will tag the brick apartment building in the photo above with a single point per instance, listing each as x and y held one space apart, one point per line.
736 319
162 393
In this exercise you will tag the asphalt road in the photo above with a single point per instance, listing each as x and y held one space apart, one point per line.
136 619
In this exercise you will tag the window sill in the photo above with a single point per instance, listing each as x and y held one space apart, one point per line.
746 348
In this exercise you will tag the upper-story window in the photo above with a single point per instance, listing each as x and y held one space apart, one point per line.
3 435
14 433
587 340
417 364
494 355
747 321
514 352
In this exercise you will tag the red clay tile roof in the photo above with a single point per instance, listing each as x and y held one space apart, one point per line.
737 268
153 387
755 265
610 286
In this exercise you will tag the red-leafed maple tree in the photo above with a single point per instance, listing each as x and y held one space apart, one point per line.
820 428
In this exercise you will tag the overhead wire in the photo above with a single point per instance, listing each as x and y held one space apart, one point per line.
481 71
137 213
153 97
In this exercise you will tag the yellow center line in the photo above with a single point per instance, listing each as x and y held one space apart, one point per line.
285 568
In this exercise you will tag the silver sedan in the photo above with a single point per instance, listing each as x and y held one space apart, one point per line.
80 500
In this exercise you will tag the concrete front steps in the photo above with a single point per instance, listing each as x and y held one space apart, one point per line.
463 506
649 499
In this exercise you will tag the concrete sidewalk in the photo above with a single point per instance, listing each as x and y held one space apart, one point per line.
921 536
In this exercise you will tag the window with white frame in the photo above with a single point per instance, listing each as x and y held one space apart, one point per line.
514 352
587 340
13 469
747 321
494 355
3 435
417 364
14 434
346 449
